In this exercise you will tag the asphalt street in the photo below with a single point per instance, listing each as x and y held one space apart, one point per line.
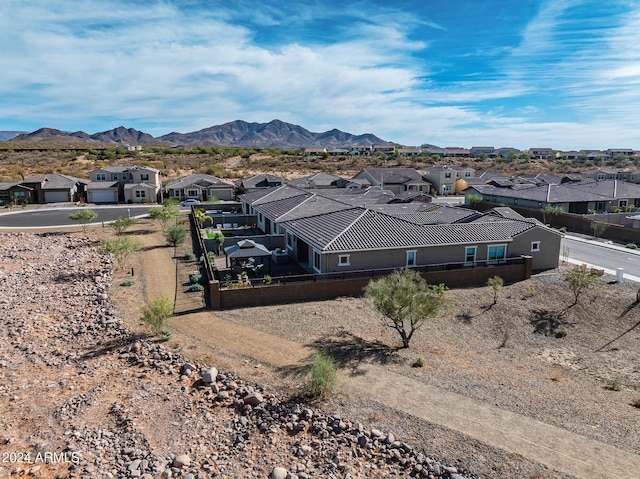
603 256
57 217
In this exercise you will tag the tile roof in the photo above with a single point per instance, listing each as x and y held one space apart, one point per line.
55 181
362 229
199 179
256 180
544 194
393 175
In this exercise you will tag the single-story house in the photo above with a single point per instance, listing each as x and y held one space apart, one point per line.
55 188
200 186
395 180
16 193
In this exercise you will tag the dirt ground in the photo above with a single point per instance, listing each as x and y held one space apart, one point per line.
507 355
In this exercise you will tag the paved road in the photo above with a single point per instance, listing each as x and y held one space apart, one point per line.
603 255
59 216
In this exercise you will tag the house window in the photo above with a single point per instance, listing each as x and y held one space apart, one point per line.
535 246
114 176
141 194
101 177
192 193
316 261
600 177
467 174
411 258
496 253
289 241
470 255
515 202
447 174
601 206
343 260
144 176
622 203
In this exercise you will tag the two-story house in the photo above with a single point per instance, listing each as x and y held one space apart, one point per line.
129 184
444 177
478 151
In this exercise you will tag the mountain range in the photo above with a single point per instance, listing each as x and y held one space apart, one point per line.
275 134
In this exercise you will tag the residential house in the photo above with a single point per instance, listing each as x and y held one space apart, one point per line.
15 193
320 180
457 152
478 151
570 155
357 150
314 151
327 235
387 148
444 177
410 151
578 198
541 153
508 152
131 184
257 182
395 180
433 150
200 186
611 173
620 152
55 188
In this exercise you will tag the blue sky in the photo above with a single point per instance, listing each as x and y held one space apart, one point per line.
561 73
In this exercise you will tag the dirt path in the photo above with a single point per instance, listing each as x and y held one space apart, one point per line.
557 448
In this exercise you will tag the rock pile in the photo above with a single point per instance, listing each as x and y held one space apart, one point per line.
120 405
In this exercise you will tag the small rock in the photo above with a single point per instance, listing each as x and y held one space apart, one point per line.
210 376
253 399
279 473
181 461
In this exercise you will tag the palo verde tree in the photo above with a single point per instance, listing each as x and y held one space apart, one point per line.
579 279
157 312
175 235
405 301
83 217
121 248
550 211
495 284
121 224
164 214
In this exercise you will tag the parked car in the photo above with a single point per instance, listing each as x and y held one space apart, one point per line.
189 202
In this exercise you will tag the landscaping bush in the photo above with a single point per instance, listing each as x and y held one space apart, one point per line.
631 246
636 403
196 287
190 256
323 378
561 333
419 363
195 278
128 282
613 385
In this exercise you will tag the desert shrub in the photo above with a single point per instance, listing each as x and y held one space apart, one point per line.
196 287
165 334
613 385
636 403
195 278
561 333
631 246
190 256
128 282
157 313
419 363
323 378
563 229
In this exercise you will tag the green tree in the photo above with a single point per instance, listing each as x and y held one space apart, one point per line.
405 301
473 199
175 235
121 248
164 214
598 228
550 211
496 283
157 313
201 217
579 279
84 217
121 224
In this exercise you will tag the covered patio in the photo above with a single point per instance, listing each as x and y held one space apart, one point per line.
248 256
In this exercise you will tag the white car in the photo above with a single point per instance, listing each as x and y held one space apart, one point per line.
189 202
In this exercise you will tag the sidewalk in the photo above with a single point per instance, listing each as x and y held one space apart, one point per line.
557 448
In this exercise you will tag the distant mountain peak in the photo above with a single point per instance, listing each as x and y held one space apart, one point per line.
274 134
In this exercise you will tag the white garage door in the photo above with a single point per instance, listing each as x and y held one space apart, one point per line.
55 196
103 197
